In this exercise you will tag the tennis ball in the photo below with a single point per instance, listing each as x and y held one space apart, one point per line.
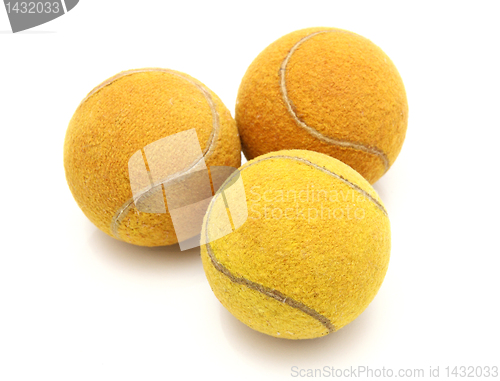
326 90
118 119
312 253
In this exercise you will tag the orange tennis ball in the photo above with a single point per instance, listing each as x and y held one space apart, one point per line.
326 90
121 117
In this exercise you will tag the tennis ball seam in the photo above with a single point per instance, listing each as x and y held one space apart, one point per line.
270 292
122 212
261 288
311 130
314 165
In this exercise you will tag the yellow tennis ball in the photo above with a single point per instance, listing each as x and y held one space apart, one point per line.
312 253
118 119
326 90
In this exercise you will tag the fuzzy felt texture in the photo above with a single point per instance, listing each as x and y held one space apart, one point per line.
326 90
120 117
312 253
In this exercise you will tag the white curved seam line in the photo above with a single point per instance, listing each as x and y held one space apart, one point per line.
125 208
312 131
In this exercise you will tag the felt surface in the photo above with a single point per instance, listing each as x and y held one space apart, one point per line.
122 116
294 274
338 84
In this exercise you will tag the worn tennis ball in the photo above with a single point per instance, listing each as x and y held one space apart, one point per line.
312 253
326 90
118 119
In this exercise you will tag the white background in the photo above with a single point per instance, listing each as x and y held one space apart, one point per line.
76 304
